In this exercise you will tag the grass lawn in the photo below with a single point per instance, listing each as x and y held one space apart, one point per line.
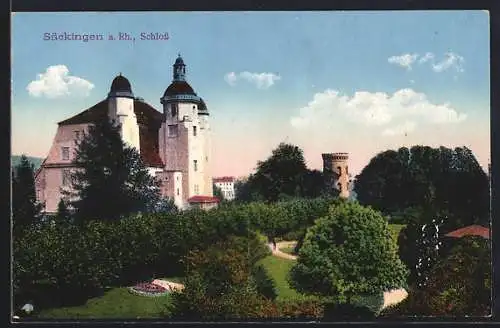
116 303
278 268
395 229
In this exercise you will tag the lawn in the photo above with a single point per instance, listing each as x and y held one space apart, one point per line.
395 229
117 303
278 268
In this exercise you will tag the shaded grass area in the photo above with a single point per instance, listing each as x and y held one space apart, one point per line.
395 229
117 303
278 268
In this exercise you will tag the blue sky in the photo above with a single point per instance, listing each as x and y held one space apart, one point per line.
360 82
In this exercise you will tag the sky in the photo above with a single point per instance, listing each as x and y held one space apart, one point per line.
356 82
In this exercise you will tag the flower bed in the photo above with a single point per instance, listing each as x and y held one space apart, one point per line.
148 289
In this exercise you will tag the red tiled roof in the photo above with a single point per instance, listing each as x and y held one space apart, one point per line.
203 199
144 112
473 230
148 117
224 179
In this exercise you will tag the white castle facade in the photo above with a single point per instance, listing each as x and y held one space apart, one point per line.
175 144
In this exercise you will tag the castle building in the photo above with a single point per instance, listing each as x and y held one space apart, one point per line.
174 144
336 172
226 185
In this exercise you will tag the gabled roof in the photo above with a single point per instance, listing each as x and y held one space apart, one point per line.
146 115
472 230
99 111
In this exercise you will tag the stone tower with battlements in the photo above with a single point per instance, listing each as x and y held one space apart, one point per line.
336 172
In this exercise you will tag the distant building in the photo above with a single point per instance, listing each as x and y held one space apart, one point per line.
336 172
175 143
226 185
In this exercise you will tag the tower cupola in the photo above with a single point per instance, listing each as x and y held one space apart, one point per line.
120 87
179 70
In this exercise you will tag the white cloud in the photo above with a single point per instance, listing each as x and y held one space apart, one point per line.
425 58
405 60
231 78
56 82
261 80
451 60
401 129
390 112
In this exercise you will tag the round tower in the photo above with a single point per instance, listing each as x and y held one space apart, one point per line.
336 172
121 110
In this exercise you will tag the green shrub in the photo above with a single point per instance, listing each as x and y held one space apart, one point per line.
218 284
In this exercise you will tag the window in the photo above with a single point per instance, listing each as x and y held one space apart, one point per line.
77 135
65 153
174 109
66 177
339 169
177 191
196 189
173 130
195 162
339 185
194 131
346 171
206 158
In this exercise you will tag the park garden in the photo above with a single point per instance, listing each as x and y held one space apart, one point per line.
96 258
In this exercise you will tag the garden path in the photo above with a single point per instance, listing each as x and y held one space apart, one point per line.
277 252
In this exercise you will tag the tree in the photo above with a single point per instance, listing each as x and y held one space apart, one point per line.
63 214
281 176
25 208
348 253
443 179
220 284
459 284
110 181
